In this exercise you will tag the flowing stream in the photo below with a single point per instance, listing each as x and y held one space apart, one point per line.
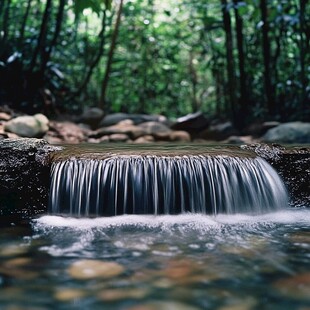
182 233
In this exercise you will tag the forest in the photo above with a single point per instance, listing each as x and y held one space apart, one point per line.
238 60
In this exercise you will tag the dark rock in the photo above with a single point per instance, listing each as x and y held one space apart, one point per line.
92 117
192 123
24 177
293 165
259 129
294 132
113 119
218 132
151 128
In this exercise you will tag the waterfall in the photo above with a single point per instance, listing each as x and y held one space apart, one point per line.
134 184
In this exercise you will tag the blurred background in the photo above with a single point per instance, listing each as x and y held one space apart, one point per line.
242 61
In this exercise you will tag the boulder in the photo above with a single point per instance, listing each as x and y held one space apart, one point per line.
92 117
193 123
28 126
66 132
113 119
292 164
124 127
145 139
154 127
293 132
118 137
5 116
180 136
218 132
259 129
24 178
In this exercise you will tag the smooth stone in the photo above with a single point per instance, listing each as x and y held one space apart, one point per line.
68 132
293 132
12 250
4 116
17 262
154 127
28 126
118 294
93 269
145 139
69 294
297 286
118 137
163 305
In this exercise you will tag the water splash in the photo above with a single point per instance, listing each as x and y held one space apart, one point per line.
165 185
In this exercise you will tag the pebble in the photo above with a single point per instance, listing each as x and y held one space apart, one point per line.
163 305
69 294
92 269
117 294
297 286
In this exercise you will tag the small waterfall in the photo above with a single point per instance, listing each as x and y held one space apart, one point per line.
133 184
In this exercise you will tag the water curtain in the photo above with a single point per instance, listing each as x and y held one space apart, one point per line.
137 184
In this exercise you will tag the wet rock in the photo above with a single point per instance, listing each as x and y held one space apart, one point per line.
180 136
118 294
239 140
145 139
218 132
69 294
118 137
125 127
297 286
192 123
151 128
24 177
92 269
67 132
113 119
5 116
292 164
259 129
294 132
28 126
163 305
92 117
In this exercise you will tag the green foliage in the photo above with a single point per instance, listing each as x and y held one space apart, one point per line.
170 56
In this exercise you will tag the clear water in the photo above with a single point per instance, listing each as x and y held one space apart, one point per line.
224 262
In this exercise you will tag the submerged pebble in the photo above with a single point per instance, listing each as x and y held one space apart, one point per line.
118 294
297 286
69 294
91 269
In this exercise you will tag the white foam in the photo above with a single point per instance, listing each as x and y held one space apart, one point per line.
166 221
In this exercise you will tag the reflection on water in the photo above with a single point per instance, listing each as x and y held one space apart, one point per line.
164 262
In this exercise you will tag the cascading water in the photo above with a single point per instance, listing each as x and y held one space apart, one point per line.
144 184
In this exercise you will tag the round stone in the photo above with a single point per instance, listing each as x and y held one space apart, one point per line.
91 269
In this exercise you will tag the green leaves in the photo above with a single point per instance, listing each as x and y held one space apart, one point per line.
95 5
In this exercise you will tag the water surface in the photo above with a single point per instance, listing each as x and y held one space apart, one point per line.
158 262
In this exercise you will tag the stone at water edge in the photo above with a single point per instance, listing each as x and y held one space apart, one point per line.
293 132
87 269
24 178
92 117
28 126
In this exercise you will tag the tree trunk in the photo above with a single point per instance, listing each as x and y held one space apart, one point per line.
24 22
229 59
6 23
302 54
243 109
59 19
96 59
42 35
102 102
194 80
269 89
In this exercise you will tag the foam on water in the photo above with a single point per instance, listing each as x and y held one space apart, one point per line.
289 216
